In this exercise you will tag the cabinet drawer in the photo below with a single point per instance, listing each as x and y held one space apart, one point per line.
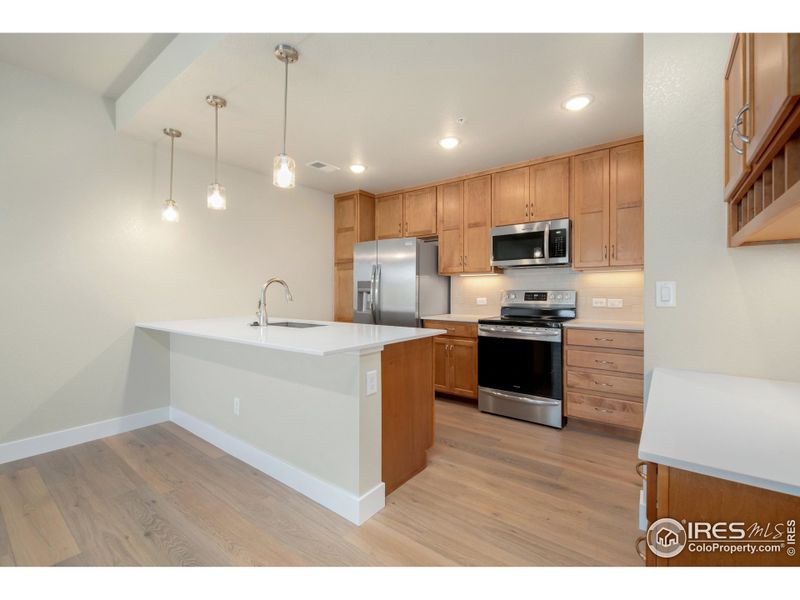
453 328
587 359
606 339
607 410
597 382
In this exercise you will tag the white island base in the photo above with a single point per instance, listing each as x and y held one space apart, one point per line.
305 416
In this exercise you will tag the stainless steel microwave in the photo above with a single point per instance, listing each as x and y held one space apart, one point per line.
540 244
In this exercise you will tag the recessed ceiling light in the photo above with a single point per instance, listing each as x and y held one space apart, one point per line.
578 102
358 169
448 143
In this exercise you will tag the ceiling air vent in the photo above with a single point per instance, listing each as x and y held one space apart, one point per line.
322 166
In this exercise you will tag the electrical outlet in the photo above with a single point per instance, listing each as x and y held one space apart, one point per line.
598 302
236 406
615 303
481 301
372 382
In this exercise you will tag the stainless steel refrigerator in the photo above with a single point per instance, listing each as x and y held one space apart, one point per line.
396 282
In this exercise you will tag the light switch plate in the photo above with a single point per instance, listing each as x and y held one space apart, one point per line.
480 301
372 382
599 302
615 303
666 294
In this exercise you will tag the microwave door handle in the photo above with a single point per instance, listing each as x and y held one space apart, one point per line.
547 241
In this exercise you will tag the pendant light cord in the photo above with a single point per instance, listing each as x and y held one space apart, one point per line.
216 140
285 99
171 162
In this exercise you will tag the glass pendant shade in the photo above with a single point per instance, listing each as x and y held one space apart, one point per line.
216 196
283 172
170 213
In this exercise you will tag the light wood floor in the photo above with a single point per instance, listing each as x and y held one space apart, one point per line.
496 492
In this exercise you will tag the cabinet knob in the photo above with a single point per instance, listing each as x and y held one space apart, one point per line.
605 250
613 250
640 470
638 546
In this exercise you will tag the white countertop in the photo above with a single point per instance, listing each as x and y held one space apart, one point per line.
735 428
334 338
615 325
459 318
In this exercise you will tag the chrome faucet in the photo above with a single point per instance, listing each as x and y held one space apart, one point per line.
262 303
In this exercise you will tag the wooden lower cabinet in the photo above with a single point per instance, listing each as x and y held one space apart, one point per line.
455 358
603 376
343 290
765 516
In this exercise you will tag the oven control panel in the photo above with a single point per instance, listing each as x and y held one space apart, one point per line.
540 298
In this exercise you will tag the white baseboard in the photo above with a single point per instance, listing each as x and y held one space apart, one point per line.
48 442
353 508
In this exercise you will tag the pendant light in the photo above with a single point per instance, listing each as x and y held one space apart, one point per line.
216 191
170 212
283 165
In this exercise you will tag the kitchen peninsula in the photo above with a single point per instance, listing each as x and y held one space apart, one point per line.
340 412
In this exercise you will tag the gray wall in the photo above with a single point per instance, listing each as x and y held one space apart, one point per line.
738 309
84 255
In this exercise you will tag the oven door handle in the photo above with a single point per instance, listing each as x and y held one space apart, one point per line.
523 400
490 330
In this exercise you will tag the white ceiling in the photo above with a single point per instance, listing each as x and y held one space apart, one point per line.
106 63
380 99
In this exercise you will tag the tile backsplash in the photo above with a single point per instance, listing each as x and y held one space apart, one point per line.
625 285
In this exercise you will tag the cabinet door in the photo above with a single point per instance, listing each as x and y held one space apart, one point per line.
344 226
450 205
510 197
590 186
774 84
477 225
389 217
626 209
549 194
343 292
464 365
735 99
420 212
441 364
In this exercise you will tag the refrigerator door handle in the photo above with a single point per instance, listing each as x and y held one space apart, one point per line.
376 298
372 292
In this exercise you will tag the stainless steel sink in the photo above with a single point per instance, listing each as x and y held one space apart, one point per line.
290 324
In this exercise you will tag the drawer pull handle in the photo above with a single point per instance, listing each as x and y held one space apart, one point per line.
638 545
597 339
640 470
603 410
605 362
601 383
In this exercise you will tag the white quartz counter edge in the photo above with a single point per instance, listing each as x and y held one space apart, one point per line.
333 338
609 325
456 318
736 428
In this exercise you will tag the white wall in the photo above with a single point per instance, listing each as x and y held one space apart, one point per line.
737 308
84 255
625 285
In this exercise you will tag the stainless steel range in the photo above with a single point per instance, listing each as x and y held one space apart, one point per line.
519 356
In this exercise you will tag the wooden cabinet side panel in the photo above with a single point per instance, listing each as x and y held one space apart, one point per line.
366 217
343 292
590 209
407 410
626 208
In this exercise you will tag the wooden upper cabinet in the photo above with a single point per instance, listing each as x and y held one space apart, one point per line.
477 225
735 99
353 222
419 208
549 191
450 212
590 210
510 196
626 208
774 85
389 217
